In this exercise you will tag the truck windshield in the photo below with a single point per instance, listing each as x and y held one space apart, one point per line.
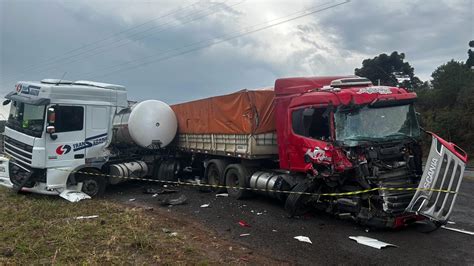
373 124
27 118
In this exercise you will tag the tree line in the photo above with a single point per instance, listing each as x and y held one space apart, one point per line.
445 103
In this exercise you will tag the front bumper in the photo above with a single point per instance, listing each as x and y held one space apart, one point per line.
39 187
4 172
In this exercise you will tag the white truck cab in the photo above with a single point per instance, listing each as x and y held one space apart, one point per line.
56 128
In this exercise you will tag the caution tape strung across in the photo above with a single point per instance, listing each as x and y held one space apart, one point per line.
198 184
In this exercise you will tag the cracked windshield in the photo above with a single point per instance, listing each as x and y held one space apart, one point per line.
359 124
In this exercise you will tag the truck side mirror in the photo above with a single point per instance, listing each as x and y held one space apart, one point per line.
51 129
51 116
6 102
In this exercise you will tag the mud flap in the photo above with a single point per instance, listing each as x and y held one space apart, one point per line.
440 181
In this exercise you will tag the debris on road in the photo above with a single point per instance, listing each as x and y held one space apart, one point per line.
371 242
73 196
222 195
458 230
205 205
178 201
87 217
242 235
159 191
303 239
244 223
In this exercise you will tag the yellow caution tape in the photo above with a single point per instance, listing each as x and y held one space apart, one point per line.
198 184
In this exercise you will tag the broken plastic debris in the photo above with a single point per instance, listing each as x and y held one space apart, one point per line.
87 217
371 242
174 234
73 196
178 201
303 239
131 200
205 205
274 230
244 224
458 230
159 191
242 235
222 195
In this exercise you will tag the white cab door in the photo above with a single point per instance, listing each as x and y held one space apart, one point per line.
68 149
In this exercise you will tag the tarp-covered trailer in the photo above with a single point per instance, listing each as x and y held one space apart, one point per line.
241 124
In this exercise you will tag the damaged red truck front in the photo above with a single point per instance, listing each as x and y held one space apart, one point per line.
359 147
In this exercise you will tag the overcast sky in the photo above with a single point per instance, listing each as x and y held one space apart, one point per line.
153 47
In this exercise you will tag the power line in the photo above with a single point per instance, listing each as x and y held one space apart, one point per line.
212 39
46 61
108 49
226 38
66 55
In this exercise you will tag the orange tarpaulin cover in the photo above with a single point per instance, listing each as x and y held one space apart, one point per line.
242 112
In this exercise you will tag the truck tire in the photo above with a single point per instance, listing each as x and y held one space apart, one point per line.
92 183
237 179
167 170
215 174
295 204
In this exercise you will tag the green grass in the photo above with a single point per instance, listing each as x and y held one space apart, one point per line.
43 230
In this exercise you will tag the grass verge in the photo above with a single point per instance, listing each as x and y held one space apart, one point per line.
44 230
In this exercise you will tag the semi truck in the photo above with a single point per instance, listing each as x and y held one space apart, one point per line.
337 144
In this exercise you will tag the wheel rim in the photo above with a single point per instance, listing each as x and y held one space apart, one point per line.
90 187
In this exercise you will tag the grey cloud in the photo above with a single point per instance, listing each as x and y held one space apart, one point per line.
420 29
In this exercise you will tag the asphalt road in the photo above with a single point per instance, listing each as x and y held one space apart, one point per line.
272 232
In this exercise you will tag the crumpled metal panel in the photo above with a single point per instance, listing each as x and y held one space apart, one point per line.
440 181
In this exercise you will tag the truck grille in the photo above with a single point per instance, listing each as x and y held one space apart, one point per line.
440 182
21 153
396 201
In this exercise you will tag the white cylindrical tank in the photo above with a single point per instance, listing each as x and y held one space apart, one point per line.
146 123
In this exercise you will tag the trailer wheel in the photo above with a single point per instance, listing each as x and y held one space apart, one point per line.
237 179
214 174
295 204
92 184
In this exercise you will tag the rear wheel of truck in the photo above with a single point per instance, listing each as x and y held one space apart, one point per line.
237 179
214 175
92 183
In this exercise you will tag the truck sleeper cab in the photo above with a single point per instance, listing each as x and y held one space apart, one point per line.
64 136
56 128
